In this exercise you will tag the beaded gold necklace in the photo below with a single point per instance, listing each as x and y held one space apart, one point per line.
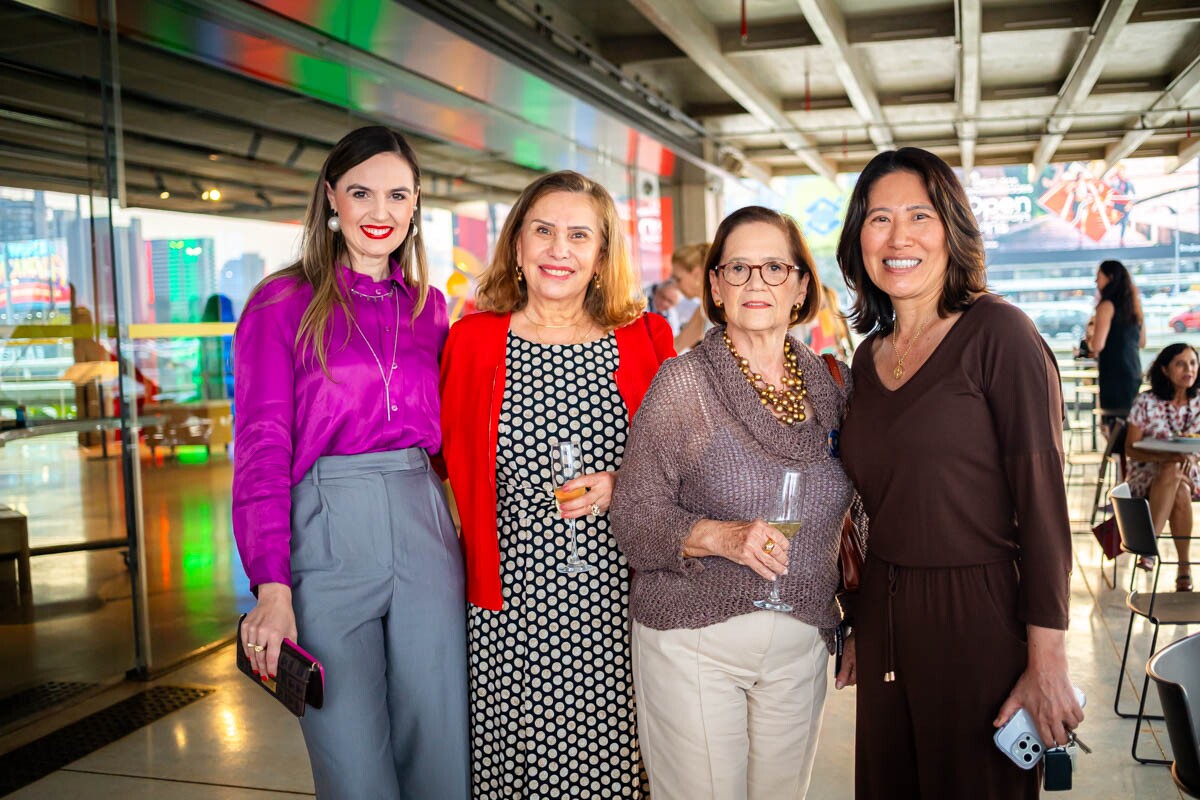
788 402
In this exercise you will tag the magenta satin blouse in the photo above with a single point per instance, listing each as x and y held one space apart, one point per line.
289 414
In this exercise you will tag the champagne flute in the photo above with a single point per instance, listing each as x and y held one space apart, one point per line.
785 517
566 463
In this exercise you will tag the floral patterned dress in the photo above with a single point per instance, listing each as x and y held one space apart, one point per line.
1162 419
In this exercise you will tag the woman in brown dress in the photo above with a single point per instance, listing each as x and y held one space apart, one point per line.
954 442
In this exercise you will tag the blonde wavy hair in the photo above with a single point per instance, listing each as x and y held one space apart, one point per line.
321 248
690 257
616 301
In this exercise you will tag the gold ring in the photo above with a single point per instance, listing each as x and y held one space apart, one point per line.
258 648
595 510
769 545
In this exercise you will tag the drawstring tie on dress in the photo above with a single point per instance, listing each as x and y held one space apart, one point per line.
889 674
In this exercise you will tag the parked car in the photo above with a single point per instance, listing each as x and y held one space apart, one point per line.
1186 321
1069 322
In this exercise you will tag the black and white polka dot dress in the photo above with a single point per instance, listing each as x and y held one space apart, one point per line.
552 709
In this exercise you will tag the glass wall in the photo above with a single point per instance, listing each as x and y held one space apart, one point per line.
70 594
149 181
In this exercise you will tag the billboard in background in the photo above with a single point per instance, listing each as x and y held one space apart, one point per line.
1074 205
1069 206
33 282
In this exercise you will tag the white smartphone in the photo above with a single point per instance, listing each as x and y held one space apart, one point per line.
1018 738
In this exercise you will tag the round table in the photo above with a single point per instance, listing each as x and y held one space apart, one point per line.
1186 445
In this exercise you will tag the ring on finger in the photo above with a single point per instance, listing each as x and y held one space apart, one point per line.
768 545
595 509
258 648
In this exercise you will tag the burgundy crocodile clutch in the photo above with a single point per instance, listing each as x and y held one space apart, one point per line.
299 679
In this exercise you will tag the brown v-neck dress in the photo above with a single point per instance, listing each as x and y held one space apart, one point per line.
960 470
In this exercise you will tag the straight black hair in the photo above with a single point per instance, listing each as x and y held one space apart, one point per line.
966 274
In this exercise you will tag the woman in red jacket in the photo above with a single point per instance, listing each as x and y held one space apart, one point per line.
562 353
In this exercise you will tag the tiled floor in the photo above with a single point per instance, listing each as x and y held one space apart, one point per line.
236 743
80 627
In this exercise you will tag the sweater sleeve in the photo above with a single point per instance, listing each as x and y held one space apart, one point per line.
648 520
1022 387
265 402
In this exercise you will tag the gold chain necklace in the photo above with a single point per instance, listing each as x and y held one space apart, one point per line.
386 376
788 402
540 326
898 372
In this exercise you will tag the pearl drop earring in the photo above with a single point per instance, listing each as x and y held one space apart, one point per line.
333 223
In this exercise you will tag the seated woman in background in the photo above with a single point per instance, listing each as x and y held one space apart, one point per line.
1169 480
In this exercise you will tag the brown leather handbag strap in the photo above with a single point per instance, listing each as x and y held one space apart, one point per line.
831 363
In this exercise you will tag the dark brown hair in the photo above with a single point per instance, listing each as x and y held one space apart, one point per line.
1160 384
797 250
966 274
616 301
321 248
1121 292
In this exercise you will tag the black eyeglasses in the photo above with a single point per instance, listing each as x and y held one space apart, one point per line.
773 273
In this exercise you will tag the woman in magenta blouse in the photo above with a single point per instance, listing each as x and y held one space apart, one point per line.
341 525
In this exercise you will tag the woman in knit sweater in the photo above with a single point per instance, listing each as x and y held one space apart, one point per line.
730 697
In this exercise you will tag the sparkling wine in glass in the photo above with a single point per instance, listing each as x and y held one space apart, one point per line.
566 463
785 517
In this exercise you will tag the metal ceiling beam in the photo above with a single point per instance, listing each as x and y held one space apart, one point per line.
1188 149
697 37
1159 114
827 23
1083 76
998 94
792 32
969 16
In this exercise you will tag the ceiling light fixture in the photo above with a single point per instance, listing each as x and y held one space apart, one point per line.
161 186
212 195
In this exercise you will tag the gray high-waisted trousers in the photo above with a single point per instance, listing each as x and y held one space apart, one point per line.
377 586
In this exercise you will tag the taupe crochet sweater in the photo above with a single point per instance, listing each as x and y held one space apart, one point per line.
702 446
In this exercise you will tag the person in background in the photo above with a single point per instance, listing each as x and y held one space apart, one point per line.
687 264
663 299
1123 198
1117 338
342 527
954 441
828 332
216 352
1171 481
729 696
1083 350
677 298
561 351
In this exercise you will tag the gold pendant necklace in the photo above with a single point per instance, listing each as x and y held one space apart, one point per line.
898 372
385 375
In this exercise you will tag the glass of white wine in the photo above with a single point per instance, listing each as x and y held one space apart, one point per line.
784 517
566 463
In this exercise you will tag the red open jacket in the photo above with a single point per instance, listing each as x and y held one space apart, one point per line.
472 393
